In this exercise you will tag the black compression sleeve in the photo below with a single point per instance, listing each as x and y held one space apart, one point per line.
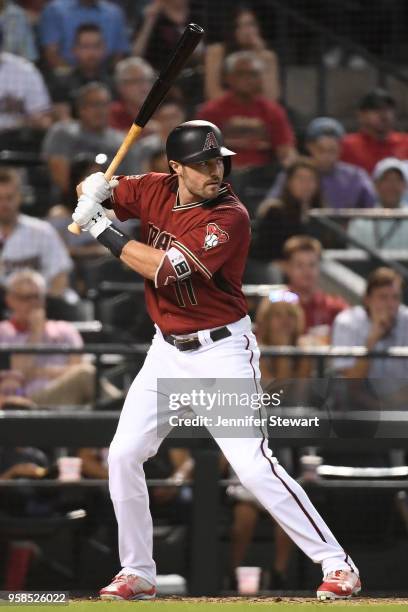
113 239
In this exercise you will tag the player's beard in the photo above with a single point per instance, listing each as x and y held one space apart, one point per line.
206 191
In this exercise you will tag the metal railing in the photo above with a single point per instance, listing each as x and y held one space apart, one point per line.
325 218
100 351
92 429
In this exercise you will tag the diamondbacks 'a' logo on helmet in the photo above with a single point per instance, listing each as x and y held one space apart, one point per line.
210 142
214 236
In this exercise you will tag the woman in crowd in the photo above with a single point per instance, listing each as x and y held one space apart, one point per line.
280 322
244 34
278 219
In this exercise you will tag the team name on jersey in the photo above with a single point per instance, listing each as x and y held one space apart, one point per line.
159 239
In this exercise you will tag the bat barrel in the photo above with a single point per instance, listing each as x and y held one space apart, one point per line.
186 45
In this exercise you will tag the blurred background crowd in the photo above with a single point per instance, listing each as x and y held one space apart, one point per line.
312 97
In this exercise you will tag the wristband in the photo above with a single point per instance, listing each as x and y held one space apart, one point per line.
113 239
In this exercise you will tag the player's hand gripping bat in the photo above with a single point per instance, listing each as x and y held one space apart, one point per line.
186 45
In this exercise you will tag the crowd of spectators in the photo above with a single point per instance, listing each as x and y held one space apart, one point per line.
73 76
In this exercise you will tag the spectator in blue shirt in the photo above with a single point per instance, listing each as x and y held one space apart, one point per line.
343 185
61 18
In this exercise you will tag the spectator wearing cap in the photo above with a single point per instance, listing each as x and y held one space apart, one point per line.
254 126
343 185
391 184
302 261
60 20
376 138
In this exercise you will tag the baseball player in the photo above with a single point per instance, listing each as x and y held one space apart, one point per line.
195 235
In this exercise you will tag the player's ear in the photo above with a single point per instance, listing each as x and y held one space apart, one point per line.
175 166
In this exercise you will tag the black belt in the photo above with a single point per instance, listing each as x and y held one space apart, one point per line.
192 343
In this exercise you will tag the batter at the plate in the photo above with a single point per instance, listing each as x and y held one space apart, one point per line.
195 235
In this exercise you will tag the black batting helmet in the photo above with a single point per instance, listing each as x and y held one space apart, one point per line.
197 141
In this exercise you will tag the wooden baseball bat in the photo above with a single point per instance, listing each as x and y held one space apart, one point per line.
186 45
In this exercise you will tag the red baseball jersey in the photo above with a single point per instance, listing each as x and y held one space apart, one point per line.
213 235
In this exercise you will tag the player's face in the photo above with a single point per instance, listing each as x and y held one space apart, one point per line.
303 270
10 198
200 181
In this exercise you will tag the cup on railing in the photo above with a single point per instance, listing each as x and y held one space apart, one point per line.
69 468
248 579
319 335
309 465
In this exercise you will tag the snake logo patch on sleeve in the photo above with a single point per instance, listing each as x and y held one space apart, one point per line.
214 236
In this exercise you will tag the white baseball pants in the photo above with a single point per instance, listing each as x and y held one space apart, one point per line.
258 470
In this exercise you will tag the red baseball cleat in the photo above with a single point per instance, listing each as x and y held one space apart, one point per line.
128 587
339 584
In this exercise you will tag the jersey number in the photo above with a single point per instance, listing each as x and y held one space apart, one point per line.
185 286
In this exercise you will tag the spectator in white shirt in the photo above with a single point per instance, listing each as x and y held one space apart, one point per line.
24 99
26 242
380 323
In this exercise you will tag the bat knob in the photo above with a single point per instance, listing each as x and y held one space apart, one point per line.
74 229
193 27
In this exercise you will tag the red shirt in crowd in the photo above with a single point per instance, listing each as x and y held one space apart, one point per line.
254 131
119 118
213 235
322 309
365 151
